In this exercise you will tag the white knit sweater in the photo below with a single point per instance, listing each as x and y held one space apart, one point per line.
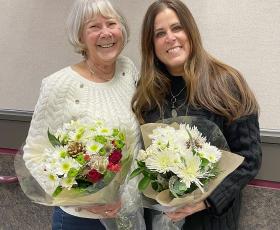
66 95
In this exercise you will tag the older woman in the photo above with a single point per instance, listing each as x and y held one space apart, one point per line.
178 77
100 86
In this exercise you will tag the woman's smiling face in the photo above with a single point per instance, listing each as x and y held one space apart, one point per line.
103 39
171 43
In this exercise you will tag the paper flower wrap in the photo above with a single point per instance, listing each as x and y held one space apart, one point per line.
85 164
184 160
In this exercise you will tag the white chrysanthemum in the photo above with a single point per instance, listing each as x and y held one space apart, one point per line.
104 131
77 134
53 157
98 123
142 155
68 182
88 135
196 136
151 150
93 147
48 180
210 152
189 170
160 143
66 164
180 141
60 151
161 161
62 134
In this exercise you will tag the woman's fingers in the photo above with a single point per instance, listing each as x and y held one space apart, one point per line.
108 210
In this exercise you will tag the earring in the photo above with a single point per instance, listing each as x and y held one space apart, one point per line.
84 53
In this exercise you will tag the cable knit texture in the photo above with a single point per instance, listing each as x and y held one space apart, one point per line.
66 95
243 137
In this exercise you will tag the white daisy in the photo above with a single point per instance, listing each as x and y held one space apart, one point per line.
68 182
104 131
66 164
49 181
93 147
210 152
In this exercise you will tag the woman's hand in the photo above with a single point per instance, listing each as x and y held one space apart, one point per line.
106 211
185 211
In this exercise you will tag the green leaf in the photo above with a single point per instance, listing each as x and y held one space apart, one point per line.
102 152
204 162
122 136
157 186
57 191
143 183
108 177
83 183
100 139
80 158
135 173
115 132
54 141
141 164
176 187
119 144
72 172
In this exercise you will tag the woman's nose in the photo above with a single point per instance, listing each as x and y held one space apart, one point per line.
170 37
105 32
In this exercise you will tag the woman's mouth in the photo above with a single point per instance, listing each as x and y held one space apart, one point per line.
109 45
174 50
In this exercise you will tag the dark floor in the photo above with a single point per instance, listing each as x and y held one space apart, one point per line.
260 209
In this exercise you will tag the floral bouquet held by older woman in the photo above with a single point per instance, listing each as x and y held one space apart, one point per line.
85 165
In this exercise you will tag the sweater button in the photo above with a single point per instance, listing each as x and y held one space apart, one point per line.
81 85
77 101
123 73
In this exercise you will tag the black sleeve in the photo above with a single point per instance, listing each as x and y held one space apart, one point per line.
243 137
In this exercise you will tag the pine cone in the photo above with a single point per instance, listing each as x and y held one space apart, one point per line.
75 148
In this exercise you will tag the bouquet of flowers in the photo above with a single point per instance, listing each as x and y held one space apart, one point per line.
85 164
178 159
181 165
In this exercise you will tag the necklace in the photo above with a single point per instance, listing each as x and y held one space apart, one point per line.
173 101
89 68
92 72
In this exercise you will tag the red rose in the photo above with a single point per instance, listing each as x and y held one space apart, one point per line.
94 176
114 167
115 157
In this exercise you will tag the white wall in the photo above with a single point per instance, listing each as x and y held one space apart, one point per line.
244 34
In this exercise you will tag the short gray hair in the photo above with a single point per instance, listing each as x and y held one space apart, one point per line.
82 11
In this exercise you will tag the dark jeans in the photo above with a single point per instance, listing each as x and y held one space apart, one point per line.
64 221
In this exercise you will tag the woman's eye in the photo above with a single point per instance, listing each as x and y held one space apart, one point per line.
159 34
92 26
177 28
112 24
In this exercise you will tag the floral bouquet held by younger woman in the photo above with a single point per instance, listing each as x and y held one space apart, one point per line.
182 165
85 164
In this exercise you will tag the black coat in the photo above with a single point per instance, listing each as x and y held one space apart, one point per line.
243 138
